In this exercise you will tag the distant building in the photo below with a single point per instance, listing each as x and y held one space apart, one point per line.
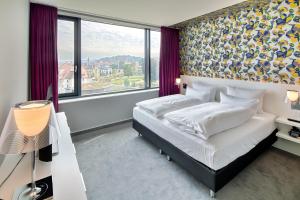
118 72
86 75
106 71
66 78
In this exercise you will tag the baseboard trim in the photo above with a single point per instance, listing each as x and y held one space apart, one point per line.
76 133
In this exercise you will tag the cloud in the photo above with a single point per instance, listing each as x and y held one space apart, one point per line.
102 40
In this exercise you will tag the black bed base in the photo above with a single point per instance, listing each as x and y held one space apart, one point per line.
213 179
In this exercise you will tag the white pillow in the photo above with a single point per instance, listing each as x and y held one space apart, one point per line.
231 100
203 95
205 87
248 94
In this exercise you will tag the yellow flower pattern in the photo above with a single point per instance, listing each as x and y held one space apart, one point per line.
255 42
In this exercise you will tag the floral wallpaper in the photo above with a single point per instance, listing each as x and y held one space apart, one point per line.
256 42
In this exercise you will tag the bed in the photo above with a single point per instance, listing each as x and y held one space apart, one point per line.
215 161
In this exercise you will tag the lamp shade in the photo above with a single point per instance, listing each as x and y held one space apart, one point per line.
178 81
292 95
32 117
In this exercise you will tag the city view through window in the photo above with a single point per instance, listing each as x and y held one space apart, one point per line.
112 58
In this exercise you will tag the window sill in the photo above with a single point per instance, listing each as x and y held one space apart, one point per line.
102 96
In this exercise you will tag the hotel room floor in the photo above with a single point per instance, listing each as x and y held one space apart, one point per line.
118 165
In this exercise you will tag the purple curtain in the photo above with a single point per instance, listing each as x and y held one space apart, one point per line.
43 52
169 61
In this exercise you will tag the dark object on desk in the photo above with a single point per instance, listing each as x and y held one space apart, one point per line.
184 85
294 132
45 154
293 120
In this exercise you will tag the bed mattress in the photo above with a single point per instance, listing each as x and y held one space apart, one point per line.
220 149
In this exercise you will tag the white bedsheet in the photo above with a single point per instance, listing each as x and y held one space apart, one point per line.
211 118
220 149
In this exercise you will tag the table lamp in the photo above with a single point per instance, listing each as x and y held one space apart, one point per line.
178 81
31 119
292 96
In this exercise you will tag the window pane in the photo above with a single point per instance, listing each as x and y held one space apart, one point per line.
65 45
112 58
155 51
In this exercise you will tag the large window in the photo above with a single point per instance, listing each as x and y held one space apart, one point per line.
98 58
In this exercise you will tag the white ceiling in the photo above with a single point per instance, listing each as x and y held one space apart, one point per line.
151 12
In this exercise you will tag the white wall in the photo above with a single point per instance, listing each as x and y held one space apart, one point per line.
87 113
14 22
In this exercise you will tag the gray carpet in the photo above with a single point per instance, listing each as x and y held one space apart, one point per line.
118 165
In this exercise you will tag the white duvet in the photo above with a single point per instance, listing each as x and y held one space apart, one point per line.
162 105
207 119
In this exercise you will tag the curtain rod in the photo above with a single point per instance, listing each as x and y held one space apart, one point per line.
74 12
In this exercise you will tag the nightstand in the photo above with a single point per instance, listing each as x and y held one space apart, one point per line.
286 142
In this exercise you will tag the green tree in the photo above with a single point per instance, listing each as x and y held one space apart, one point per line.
114 66
126 82
128 70
154 75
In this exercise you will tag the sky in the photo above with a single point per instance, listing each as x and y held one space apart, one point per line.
104 40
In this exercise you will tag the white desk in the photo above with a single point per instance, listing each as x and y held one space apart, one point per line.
67 180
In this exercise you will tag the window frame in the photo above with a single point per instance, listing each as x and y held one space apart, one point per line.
77 52
77 59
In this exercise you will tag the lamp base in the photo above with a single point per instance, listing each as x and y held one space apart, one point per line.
43 190
29 193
